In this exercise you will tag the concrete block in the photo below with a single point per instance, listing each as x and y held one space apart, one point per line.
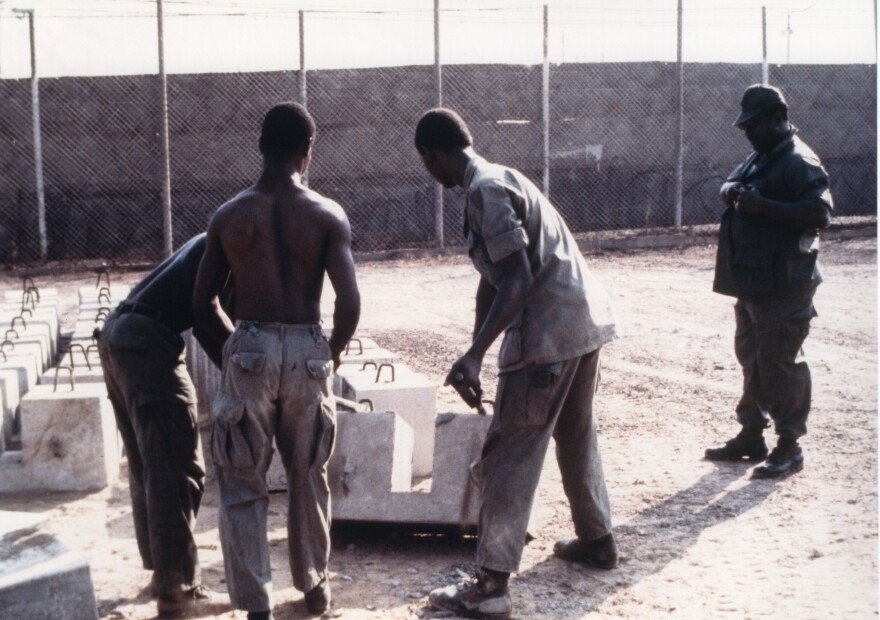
9 399
69 440
84 329
372 458
354 361
93 294
25 349
39 576
453 498
81 374
43 314
45 294
24 326
42 342
26 366
412 396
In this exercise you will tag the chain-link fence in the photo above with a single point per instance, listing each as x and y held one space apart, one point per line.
600 137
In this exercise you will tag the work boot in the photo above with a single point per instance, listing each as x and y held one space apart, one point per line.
749 443
786 459
600 552
318 598
485 595
259 615
198 600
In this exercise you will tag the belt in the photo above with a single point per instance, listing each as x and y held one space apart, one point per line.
136 308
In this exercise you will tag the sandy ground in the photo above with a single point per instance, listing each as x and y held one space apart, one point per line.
698 539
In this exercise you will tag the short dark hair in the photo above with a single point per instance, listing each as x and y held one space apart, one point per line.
288 129
442 129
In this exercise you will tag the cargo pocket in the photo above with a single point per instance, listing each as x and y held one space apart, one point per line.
326 439
229 446
528 395
320 369
250 362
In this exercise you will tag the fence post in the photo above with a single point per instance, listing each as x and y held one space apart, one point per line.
163 135
438 98
38 140
302 75
765 68
679 127
545 104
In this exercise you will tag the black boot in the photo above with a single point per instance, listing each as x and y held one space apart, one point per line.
749 443
601 552
483 596
786 459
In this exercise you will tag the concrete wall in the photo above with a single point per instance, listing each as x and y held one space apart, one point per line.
612 146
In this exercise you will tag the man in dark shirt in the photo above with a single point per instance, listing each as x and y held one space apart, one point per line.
142 355
776 200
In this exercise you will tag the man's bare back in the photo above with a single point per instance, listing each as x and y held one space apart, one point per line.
277 245
276 240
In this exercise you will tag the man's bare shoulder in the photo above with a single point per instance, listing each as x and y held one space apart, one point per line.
243 200
327 209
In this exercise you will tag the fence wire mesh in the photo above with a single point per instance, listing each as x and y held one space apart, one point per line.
610 126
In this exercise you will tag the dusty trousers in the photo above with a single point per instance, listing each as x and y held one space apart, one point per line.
276 384
531 405
154 403
777 384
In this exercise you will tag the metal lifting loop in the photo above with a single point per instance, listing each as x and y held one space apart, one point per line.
72 381
360 346
367 401
85 354
28 296
379 371
102 272
373 364
18 318
10 330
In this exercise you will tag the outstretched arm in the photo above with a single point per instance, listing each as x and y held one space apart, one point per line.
340 270
212 326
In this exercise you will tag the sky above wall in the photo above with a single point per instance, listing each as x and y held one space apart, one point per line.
118 37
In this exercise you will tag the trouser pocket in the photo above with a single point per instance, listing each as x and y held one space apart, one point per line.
527 395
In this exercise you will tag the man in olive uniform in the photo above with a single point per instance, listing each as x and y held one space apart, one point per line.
142 355
777 200
535 287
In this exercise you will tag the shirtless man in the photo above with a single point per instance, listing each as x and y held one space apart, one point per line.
276 240
142 355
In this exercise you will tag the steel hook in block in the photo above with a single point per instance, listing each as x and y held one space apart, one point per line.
84 351
11 330
72 381
360 346
24 283
373 364
102 272
367 401
28 296
4 343
379 371
18 318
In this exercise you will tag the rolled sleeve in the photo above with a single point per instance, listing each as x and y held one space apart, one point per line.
496 221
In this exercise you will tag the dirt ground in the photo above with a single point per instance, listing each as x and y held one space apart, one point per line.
698 539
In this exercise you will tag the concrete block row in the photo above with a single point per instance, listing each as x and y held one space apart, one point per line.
66 428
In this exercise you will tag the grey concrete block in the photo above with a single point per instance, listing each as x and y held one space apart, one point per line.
69 440
33 350
95 295
372 458
39 576
26 366
9 399
411 395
